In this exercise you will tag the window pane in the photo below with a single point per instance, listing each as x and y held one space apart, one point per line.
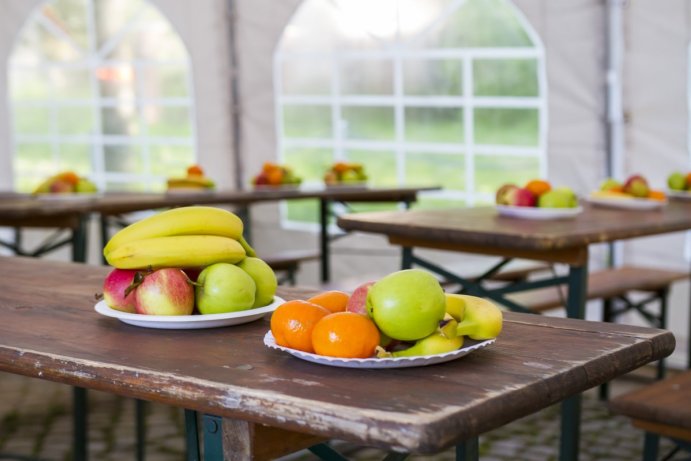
430 124
505 77
152 39
163 82
309 164
379 166
120 121
493 171
75 120
133 185
171 160
122 159
424 77
168 121
446 170
116 81
506 126
306 77
34 157
431 202
307 121
32 120
29 86
71 17
112 16
76 157
71 83
367 77
376 123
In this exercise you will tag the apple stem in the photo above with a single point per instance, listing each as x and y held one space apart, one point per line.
136 281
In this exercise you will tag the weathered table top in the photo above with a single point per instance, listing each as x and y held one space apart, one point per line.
50 330
14 207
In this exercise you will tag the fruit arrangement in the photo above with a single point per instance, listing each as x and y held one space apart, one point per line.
536 193
678 181
635 187
66 182
273 174
195 179
183 261
345 173
404 314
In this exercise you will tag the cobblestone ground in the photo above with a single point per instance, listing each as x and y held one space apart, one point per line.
35 420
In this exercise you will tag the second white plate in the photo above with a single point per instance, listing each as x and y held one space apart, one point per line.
628 203
188 322
529 212
682 194
397 362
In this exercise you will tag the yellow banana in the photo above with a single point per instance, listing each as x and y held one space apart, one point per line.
176 251
191 220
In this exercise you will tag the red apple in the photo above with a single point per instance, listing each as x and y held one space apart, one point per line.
522 197
504 194
115 290
165 292
358 300
637 186
60 186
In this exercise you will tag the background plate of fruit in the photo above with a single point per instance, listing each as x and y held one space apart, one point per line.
187 267
66 185
633 194
345 174
405 319
195 180
679 185
275 175
537 200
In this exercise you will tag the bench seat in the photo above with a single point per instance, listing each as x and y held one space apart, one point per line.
287 263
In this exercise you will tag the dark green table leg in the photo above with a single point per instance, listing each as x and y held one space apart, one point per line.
140 428
213 437
191 435
468 450
571 407
79 423
324 211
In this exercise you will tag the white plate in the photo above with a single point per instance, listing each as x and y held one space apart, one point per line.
398 362
529 212
70 196
680 194
628 203
188 322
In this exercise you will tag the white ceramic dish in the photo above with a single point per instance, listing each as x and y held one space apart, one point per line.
71 196
398 362
188 322
628 203
528 212
680 194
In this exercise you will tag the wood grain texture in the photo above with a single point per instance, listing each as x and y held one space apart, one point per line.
484 227
50 330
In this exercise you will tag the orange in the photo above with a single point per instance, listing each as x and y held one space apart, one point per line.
657 195
195 170
333 300
69 176
688 181
275 176
538 186
292 323
346 335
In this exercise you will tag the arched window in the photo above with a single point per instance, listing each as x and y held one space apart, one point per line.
101 87
448 92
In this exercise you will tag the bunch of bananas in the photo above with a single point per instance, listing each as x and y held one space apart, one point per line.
194 236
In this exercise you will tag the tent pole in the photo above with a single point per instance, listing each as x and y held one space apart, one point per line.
614 127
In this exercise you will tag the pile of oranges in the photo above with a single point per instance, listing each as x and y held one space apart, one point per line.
321 325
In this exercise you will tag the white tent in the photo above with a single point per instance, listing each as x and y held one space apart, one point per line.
231 44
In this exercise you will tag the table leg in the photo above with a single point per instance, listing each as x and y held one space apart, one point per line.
213 437
406 257
324 209
468 450
79 423
191 435
79 240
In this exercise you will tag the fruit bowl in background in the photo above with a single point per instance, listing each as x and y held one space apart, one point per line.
397 362
274 175
537 199
345 174
188 322
633 194
679 185
66 184
194 181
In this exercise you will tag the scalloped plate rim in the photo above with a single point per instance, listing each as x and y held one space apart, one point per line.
188 321
372 363
680 194
628 203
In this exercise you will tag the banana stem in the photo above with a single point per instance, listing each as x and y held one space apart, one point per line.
466 328
248 249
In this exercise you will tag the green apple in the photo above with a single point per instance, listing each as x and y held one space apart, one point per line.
264 278
84 186
562 197
224 287
610 184
407 305
677 181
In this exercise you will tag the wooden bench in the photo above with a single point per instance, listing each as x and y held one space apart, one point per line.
287 263
660 409
614 287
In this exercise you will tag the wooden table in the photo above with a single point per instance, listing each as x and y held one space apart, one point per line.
481 230
23 210
50 331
